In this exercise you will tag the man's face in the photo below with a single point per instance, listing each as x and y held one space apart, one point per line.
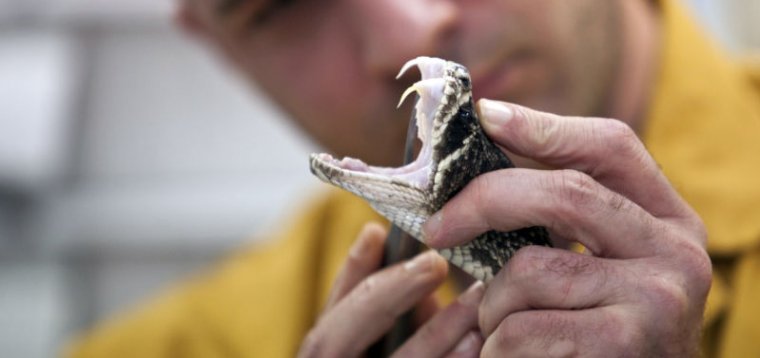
331 63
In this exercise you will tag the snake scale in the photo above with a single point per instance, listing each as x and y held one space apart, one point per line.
454 151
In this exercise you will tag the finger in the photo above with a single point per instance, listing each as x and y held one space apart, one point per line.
364 258
545 278
606 149
468 347
371 308
561 334
447 328
426 309
569 203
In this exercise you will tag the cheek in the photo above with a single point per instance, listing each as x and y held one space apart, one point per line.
313 72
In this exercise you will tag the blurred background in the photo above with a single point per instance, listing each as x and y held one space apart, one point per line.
131 158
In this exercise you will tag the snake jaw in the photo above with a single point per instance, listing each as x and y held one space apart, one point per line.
432 91
415 186
455 150
426 89
430 67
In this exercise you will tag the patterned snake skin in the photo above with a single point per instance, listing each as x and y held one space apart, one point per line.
455 150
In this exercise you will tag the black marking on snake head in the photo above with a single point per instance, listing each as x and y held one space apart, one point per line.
458 128
481 155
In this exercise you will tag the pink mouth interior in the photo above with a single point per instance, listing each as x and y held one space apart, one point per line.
430 91
416 173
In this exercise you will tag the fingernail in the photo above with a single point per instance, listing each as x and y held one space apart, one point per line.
473 295
422 263
468 344
431 227
494 114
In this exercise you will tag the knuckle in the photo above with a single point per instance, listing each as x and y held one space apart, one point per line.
697 266
669 296
576 187
532 264
366 288
367 295
622 335
571 264
509 333
703 275
693 259
524 264
696 228
690 261
386 292
544 131
700 232
678 316
619 136
355 262
618 203
572 190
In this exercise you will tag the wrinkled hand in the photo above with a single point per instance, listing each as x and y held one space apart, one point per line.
365 302
640 292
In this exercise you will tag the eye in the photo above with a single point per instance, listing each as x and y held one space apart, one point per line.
269 11
465 82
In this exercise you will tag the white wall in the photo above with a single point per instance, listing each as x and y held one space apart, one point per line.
129 159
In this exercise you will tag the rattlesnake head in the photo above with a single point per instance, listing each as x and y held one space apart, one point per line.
454 151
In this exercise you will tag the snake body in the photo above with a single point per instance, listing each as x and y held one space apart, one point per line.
455 150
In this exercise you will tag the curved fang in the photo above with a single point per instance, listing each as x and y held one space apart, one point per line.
427 89
409 64
430 67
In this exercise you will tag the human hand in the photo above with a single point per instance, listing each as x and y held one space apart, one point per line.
365 302
642 289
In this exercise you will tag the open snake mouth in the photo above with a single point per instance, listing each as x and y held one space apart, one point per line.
435 91
454 151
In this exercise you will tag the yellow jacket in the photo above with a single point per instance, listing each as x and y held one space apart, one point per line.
703 128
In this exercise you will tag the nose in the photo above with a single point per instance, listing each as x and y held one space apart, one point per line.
390 32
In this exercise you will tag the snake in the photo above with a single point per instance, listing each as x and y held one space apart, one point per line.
455 150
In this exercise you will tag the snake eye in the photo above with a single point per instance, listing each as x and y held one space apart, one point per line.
465 82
